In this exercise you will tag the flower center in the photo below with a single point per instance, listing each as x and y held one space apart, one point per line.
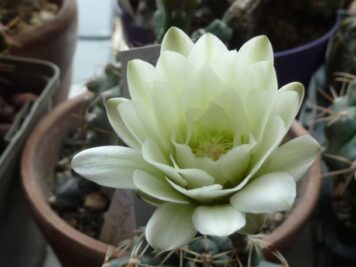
213 147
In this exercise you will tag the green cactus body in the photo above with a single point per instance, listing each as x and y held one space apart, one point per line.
203 251
340 132
173 13
217 27
103 88
342 51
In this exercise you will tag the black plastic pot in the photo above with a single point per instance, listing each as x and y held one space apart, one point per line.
20 242
294 64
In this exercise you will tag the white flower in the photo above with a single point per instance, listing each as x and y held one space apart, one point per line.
203 128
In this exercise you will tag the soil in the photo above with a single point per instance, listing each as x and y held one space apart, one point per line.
78 201
14 20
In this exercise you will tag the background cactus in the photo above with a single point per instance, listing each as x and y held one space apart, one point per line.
173 13
340 131
342 51
203 251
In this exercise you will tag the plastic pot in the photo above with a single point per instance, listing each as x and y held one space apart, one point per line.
295 64
17 230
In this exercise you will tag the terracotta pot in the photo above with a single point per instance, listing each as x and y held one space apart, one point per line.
77 249
55 42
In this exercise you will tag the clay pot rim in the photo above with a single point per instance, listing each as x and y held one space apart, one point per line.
67 10
33 192
280 237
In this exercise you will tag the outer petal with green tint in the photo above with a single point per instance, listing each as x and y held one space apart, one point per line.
111 166
176 40
206 49
266 194
288 102
294 157
256 49
157 188
117 122
170 226
139 74
174 69
220 220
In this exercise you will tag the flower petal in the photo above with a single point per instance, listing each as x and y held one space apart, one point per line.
222 220
132 120
214 120
170 226
224 67
205 87
111 166
176 40
206 49
294 157
267 194
139 74
157 188
174 69
234 164
258 108
288 102
117 122
166 110
254 223
196 178
205 194
256 49
152 154
185 157
230 102
272 137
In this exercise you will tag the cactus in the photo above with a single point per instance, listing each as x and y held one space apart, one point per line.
342 51
205 251
173 13
340 131
103 88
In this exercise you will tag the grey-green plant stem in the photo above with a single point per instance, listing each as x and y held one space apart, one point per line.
239 11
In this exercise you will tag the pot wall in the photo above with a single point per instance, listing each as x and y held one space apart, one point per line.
55 42
76 249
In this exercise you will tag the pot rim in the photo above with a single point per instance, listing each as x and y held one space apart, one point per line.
280 238
33 193
318 41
